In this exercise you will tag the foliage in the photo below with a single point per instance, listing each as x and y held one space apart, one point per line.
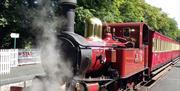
106 10
13 20
131 10
16 16
81 16
178 35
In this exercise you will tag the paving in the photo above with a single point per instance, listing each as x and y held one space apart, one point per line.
21 73
169 82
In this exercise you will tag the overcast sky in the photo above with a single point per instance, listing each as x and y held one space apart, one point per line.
171 7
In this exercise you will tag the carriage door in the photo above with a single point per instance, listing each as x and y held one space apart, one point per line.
145 44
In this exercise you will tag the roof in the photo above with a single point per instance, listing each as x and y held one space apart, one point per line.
125 24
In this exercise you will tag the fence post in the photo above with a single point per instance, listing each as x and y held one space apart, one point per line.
4 61
14 57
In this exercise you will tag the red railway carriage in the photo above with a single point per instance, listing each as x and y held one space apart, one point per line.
163 50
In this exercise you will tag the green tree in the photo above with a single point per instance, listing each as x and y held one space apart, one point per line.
13 19
127 11
178 35
17 15
132 10
106 10
81 16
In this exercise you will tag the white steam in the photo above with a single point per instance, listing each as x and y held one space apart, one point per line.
54 65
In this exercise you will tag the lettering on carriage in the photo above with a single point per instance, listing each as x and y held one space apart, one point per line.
138 58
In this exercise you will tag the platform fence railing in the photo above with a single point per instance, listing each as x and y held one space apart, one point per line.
10 58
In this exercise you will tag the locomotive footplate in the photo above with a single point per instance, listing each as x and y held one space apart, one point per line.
95 80
94 84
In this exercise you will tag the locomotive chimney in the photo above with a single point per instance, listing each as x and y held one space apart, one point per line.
68 10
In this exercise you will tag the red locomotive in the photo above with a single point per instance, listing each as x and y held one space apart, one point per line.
113 56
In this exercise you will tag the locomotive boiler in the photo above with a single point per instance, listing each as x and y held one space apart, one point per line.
77 49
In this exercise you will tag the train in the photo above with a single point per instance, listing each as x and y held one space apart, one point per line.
112 56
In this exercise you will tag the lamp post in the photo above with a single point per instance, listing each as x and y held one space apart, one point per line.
15 36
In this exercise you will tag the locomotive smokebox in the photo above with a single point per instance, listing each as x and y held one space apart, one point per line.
68 11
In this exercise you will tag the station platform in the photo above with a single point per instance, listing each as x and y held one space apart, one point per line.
21 73
170 81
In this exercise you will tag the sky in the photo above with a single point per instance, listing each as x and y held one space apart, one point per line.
171 7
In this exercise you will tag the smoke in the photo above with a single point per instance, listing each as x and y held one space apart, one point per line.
55 67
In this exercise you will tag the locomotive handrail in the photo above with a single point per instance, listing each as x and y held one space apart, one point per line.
95 80
100 46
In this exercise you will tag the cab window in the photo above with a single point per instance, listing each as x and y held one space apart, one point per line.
126 32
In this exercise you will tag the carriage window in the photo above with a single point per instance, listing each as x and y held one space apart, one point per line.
154 45
157 45
160 45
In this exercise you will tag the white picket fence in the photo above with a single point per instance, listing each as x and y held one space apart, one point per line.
13 57
8 59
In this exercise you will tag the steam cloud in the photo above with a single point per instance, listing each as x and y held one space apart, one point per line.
54 65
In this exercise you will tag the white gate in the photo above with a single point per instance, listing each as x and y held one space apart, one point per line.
8 59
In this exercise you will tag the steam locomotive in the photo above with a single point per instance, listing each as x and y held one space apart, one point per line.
113 56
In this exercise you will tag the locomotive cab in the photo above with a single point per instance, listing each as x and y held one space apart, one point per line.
130 60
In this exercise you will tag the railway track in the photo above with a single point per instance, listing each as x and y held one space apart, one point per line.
159 74
146 86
